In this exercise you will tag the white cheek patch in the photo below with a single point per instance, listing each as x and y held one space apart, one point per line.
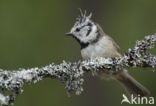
92 36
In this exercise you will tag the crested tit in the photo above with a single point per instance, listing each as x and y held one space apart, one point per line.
95 43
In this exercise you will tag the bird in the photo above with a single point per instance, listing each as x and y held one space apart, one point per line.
95 43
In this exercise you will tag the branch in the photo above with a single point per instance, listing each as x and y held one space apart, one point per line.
72 73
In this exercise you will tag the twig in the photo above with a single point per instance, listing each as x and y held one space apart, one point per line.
72 73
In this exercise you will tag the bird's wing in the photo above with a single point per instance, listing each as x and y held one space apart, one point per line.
113 42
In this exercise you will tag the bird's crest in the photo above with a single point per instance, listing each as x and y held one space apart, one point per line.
83 17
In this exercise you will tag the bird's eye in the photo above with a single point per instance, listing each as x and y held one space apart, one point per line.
77 29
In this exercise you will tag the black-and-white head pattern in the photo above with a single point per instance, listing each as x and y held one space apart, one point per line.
84 29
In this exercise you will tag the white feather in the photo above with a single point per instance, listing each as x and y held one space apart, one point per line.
103 48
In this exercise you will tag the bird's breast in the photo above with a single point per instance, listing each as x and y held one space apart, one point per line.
103 48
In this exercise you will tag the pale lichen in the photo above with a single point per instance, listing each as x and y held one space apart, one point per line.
72 73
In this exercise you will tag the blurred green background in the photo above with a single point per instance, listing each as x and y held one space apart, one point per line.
32 35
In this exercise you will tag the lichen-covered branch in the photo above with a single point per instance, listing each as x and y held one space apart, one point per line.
72 73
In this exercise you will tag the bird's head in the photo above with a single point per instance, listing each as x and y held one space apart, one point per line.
84 30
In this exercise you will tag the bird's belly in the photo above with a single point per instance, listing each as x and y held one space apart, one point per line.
92 52
103 48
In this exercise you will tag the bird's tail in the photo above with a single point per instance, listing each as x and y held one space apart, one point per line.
130 84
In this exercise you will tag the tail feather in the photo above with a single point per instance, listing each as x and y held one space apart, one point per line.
130 84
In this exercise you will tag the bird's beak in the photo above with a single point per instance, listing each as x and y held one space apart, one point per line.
69 34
